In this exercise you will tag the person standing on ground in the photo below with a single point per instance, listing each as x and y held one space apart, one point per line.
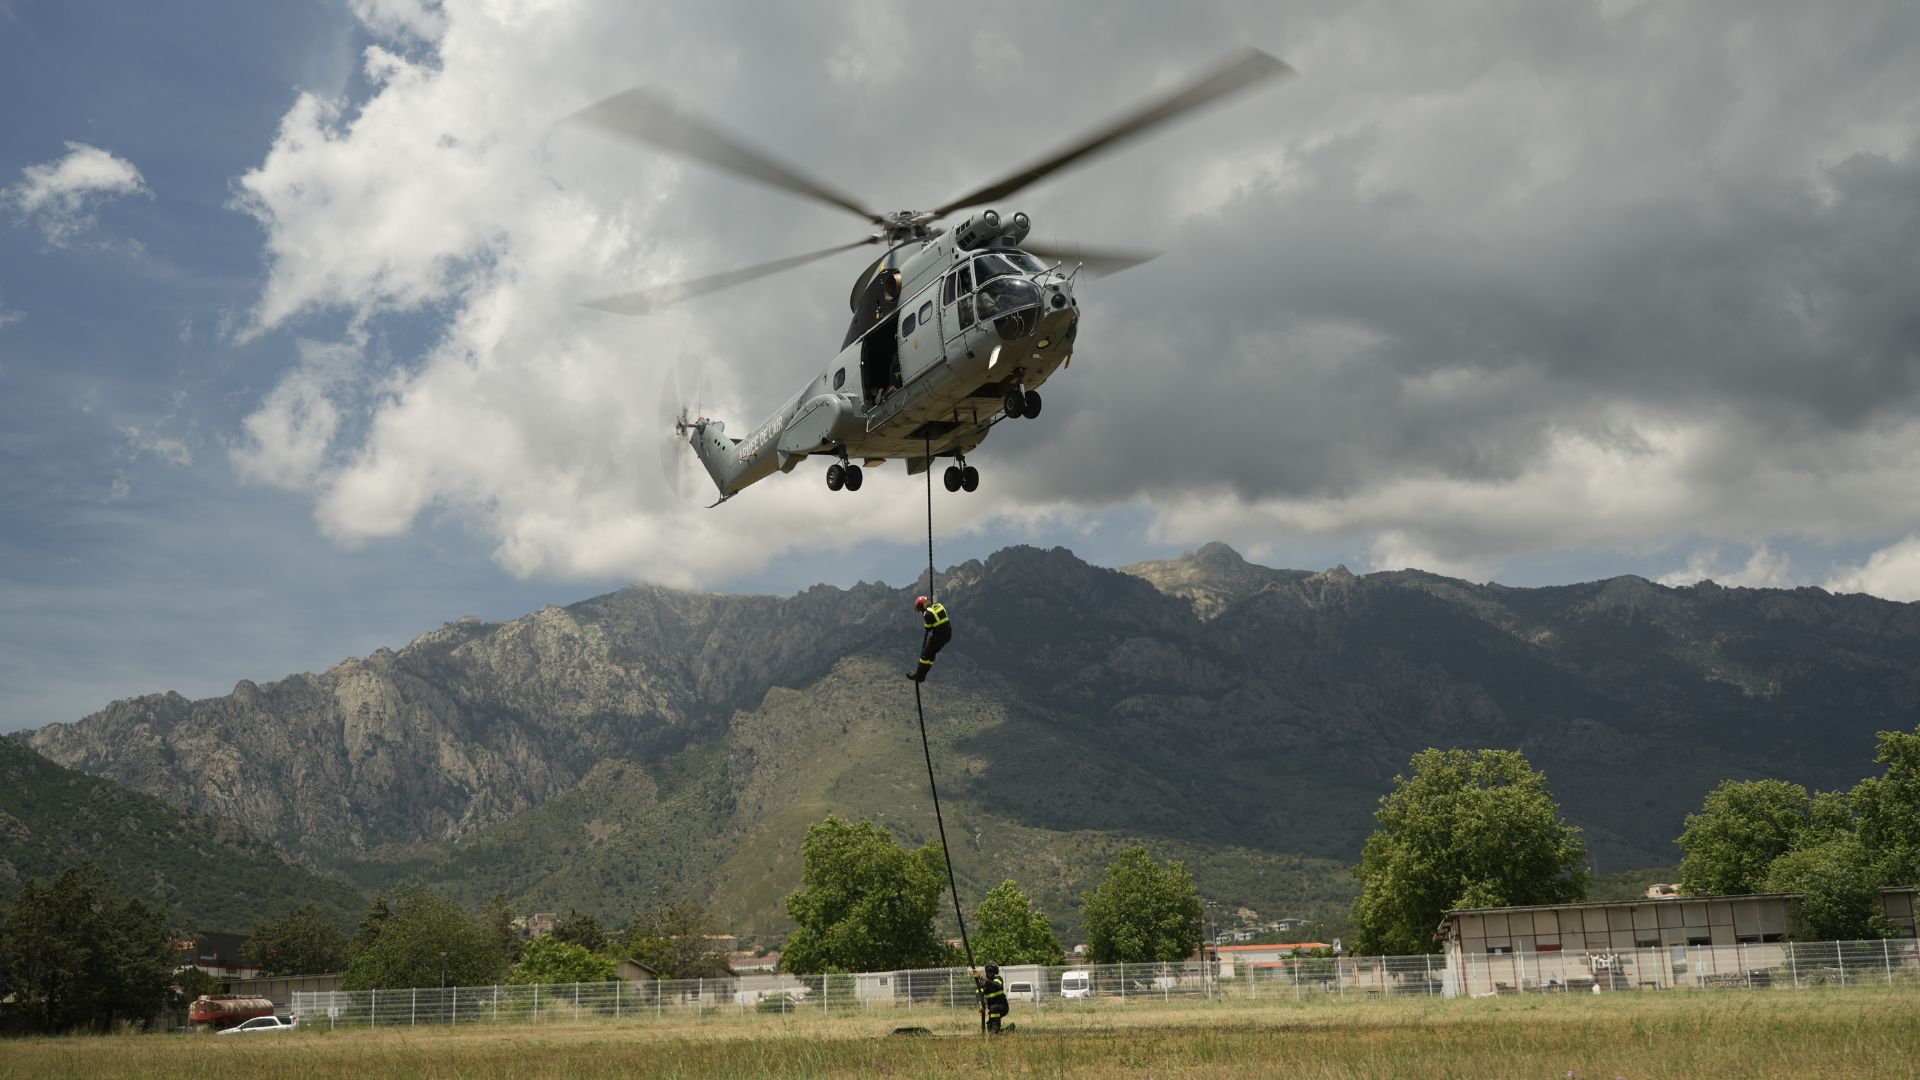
938 630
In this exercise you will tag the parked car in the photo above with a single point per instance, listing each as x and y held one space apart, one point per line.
1020 990
262 1023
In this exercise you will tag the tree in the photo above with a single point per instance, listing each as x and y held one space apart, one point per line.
1142 912
1743 826
550 960
497 919
1840 891
1886 809
76 954
1468 829
676 941
864 904
579 928
423 940
304 941
1008 929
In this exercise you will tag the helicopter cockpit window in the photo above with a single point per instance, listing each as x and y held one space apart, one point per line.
1000 263
966 278
1005 295
840 378
926 312
946 291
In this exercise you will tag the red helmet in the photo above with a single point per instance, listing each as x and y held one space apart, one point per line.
919 603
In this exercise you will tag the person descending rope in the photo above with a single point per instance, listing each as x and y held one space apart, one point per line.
938 631
993 995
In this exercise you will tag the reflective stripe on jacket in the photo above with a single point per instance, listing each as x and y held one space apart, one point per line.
936 615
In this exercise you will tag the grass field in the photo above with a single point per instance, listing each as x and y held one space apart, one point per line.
1851 1033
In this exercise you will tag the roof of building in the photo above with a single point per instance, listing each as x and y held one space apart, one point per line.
1296 946
1642 900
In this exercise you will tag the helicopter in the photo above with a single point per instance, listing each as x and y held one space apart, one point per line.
953 330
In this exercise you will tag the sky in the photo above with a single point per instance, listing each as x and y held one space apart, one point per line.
294 365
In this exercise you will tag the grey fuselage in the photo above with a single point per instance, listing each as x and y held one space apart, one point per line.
939 336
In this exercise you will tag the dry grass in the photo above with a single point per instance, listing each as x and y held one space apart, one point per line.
1864 1033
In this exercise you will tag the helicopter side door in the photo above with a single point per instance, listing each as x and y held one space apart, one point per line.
956 300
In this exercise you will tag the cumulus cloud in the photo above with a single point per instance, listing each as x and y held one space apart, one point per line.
1893 572
1764 569
1472 288
288 437
60 197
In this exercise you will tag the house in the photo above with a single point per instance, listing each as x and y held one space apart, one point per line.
744 962
219 955
1234 959
535 927
1629 944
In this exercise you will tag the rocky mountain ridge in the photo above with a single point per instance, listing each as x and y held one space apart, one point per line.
1203 703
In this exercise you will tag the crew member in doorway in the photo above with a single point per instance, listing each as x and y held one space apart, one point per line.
993 994
939 631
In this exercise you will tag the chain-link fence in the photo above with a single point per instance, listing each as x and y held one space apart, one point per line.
1769 966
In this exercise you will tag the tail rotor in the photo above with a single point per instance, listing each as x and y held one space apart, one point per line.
677 423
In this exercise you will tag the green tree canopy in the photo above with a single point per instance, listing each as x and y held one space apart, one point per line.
75 954
864 904
1009 930
1840 891
1886 809
1467 829
550 960
304 941
423 940
677 941
582 929
497 919
1742 828
1142 912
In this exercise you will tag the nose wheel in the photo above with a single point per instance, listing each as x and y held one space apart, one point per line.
844 475
961 477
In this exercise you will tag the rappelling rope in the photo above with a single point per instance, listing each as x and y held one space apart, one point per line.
920 708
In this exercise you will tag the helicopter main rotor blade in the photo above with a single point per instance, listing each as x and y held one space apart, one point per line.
648 116
1244 70
1098 262
642 301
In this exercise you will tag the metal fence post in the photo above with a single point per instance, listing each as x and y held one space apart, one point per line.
1428 988
1840 958
1793 965
536 1002
616 997
374 1007
1886 957
700 998
659 997
496 1003
413 1008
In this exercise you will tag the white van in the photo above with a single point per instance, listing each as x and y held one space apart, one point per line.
1020 990
1076 984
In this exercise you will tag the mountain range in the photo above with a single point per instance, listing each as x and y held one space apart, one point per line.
659 744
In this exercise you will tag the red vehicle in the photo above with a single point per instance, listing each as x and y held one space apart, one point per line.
221 1011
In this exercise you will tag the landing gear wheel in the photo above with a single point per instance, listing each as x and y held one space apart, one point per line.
836 476
951 478
1030 406
969 478
1015 404
854 477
